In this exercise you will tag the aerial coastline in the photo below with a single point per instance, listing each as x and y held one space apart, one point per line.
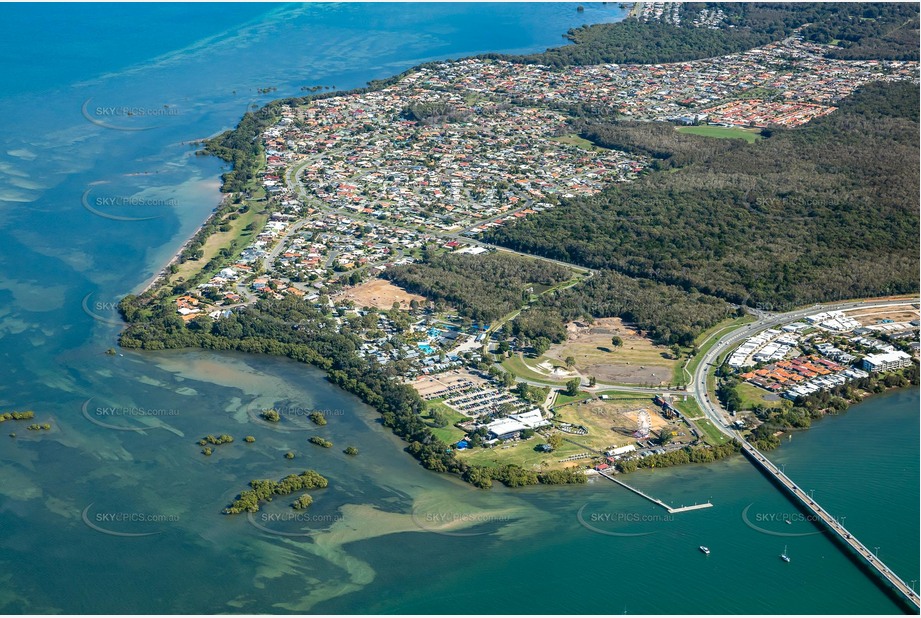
300 183
481 272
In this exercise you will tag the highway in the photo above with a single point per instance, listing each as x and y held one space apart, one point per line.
832 524
719 418
698 385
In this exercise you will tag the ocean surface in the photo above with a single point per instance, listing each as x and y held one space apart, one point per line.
115 510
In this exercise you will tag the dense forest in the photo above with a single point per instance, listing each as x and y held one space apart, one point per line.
867 31
682 456
819 213
668 313
242 148
860 30
264 490
482 287
822 212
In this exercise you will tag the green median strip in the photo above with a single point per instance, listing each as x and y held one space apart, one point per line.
711 433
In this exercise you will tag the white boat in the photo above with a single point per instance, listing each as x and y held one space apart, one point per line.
706 550
784 555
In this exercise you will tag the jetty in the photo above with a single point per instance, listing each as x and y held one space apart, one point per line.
670 509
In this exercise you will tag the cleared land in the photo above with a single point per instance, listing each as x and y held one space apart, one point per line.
438 385
637 361
380 294
752 395
749 135
609 423
528 369
869 317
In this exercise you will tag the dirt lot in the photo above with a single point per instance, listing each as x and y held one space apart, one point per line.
868 317
379 293
431 385
637 361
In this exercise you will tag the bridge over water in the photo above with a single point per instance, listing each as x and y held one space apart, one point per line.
699 388
831 524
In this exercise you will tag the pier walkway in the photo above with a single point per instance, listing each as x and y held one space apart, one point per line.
670 509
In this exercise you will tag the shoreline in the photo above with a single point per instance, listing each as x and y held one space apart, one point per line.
160 274
868 397
158 280
635 10
370 85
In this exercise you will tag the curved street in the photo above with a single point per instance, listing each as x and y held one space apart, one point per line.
698 385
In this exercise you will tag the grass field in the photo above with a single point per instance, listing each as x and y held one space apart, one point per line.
711 433
749 135
449 434
220 240
636 361
562 399
752 395
524 455
519 367
575 140
689 408
616 395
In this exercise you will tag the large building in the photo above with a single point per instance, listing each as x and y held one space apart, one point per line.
886 361
505 428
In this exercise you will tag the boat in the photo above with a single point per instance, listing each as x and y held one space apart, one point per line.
706 550
784 555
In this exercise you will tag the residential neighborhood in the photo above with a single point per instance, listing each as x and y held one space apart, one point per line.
845 348
359 182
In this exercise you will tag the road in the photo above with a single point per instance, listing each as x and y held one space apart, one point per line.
719 419
293 183
698 385
832 524
269 258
